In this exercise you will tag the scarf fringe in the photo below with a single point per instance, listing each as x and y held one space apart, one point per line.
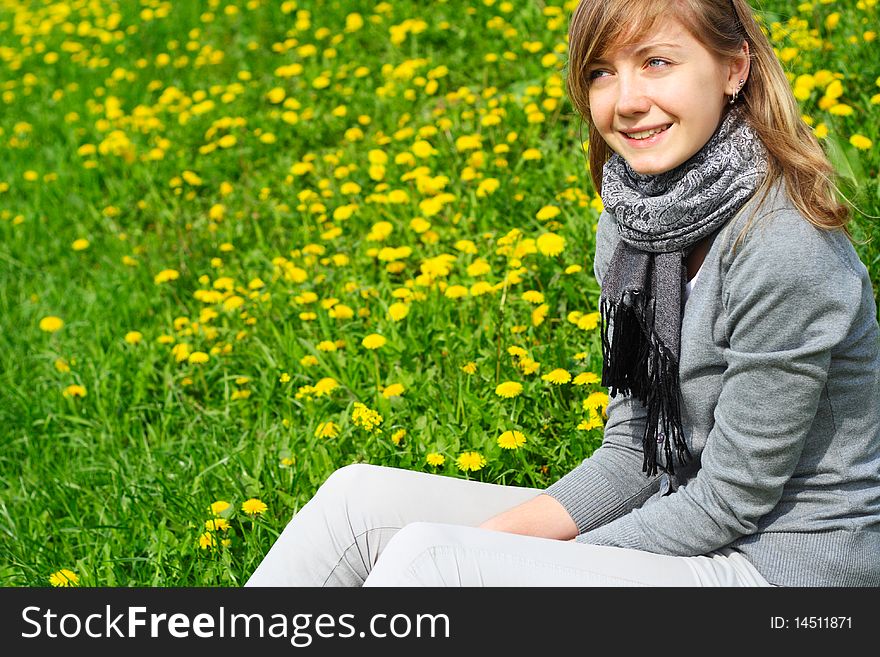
649 373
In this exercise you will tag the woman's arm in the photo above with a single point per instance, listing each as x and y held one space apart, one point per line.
541 516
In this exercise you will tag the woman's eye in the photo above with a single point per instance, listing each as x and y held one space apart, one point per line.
656 59
595 74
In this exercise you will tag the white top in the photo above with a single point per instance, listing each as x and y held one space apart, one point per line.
690 284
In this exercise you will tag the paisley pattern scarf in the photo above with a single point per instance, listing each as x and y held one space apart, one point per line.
660 219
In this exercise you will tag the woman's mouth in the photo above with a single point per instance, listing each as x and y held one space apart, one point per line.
646 137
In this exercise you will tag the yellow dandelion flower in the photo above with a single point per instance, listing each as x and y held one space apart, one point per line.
394 390
218 507
423 149
861 142
397 436
325 386
198 357
233 303
191 178
455 292
834 90
594 422
284 378
253 507
469 368
472 461
528 366
180 352
80 245
466 246
341 311
276 95
207 540
326 345
64 578
517 352
397 311
548 212
595 401
468 142
508 389
74 391
481 287
217 525
478 267
62 365
585 378
533 296
557 376
166 275
539 313
435 459
374 341
551 244
133 337
589 321
51 324
327 430
511 440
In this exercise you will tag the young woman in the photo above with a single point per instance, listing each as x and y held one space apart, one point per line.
741 347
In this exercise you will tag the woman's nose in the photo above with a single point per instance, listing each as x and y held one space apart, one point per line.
632 96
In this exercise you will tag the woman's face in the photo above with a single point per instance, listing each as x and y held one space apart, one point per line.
668 82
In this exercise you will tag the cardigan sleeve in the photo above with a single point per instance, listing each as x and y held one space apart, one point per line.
610 482
789 300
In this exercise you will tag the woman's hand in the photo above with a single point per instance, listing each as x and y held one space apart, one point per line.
541 516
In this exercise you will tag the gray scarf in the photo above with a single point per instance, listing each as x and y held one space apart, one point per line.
660 219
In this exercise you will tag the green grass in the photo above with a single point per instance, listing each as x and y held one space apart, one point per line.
116 485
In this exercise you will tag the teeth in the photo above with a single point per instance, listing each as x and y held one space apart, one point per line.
646 133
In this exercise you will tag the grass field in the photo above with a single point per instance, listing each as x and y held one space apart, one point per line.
243 244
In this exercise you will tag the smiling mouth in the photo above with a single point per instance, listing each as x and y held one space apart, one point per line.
647 134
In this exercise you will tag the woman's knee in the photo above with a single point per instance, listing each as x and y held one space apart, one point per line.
417 538
420 554
351 478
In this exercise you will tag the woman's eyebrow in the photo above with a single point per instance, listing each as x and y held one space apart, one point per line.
647 46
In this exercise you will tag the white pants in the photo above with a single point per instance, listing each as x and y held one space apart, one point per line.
377 526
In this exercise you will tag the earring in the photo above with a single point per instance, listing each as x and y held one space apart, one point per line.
736 92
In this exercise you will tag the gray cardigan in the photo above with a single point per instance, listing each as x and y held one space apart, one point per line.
780 383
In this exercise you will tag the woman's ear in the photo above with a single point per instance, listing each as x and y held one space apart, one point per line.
739 69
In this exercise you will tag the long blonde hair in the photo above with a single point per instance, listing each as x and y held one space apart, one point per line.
770 107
